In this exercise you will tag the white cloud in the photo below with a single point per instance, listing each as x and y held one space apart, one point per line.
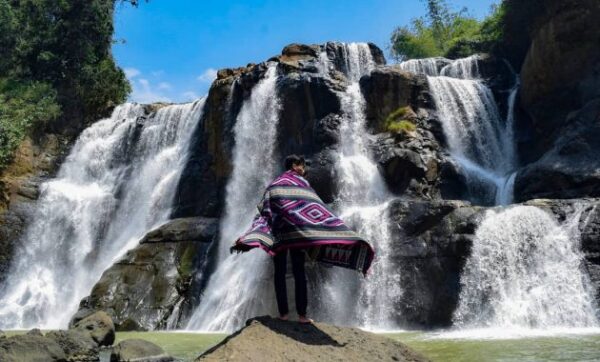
164 86
189 96
208 75
131 72
157 73
145 92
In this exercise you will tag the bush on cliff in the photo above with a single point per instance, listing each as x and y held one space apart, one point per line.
23 107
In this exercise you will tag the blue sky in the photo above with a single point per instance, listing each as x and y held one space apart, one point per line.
170 49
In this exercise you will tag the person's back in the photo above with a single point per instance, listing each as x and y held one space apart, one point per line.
293 217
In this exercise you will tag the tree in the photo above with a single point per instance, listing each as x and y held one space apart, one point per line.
56 54
443 32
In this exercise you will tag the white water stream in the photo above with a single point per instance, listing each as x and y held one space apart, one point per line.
525 272
117 182
363 202
226 302
525 269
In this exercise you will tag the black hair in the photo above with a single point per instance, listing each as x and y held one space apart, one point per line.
292 160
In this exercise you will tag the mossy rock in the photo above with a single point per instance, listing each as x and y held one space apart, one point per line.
400 121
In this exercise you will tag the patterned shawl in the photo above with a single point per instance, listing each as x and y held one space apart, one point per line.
291 215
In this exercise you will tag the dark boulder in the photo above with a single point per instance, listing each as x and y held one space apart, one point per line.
77 345
569 169
410 163
131 350
98 326
185 229
306 100
148 288
432 241
22 348
389 88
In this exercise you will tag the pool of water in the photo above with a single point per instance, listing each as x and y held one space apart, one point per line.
460 346
463 346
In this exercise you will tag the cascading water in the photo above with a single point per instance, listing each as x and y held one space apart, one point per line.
525 272
465 68
363 199
226 303
117 182
427 66
479 141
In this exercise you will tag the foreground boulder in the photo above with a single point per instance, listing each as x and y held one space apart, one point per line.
79 343
30 348
269 339
99 327
138 350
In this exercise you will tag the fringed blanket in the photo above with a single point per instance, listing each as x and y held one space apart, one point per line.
291 215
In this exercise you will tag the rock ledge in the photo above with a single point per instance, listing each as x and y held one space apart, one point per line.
269 339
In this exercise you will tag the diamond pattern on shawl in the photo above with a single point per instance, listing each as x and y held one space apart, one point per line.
313 213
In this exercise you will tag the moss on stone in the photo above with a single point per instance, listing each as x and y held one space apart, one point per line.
186 262
397 122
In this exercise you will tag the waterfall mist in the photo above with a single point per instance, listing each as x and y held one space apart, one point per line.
525 271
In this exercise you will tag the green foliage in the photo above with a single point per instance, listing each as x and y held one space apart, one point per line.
401 126
396 121
442 32
8 25
23 107
413 42
63 47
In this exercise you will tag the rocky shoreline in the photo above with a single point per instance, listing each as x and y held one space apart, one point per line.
86 341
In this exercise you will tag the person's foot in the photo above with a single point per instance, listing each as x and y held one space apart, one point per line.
302 319
283 317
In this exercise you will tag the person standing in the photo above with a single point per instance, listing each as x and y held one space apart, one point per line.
292 218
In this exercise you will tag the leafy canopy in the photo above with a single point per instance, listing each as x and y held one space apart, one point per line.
443 32
57 73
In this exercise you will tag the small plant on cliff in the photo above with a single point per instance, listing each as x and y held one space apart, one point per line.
396 122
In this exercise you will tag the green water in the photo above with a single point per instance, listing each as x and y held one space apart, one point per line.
585 347
187 346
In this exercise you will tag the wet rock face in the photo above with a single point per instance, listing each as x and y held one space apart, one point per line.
35 161
432 240
150 286
561 72
569 169
309 117
389 88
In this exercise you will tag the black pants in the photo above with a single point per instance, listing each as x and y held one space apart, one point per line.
299 280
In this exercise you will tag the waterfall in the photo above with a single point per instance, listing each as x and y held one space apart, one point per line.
465 68
117 182
226 302
525 271
427 66
478 139
363 202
